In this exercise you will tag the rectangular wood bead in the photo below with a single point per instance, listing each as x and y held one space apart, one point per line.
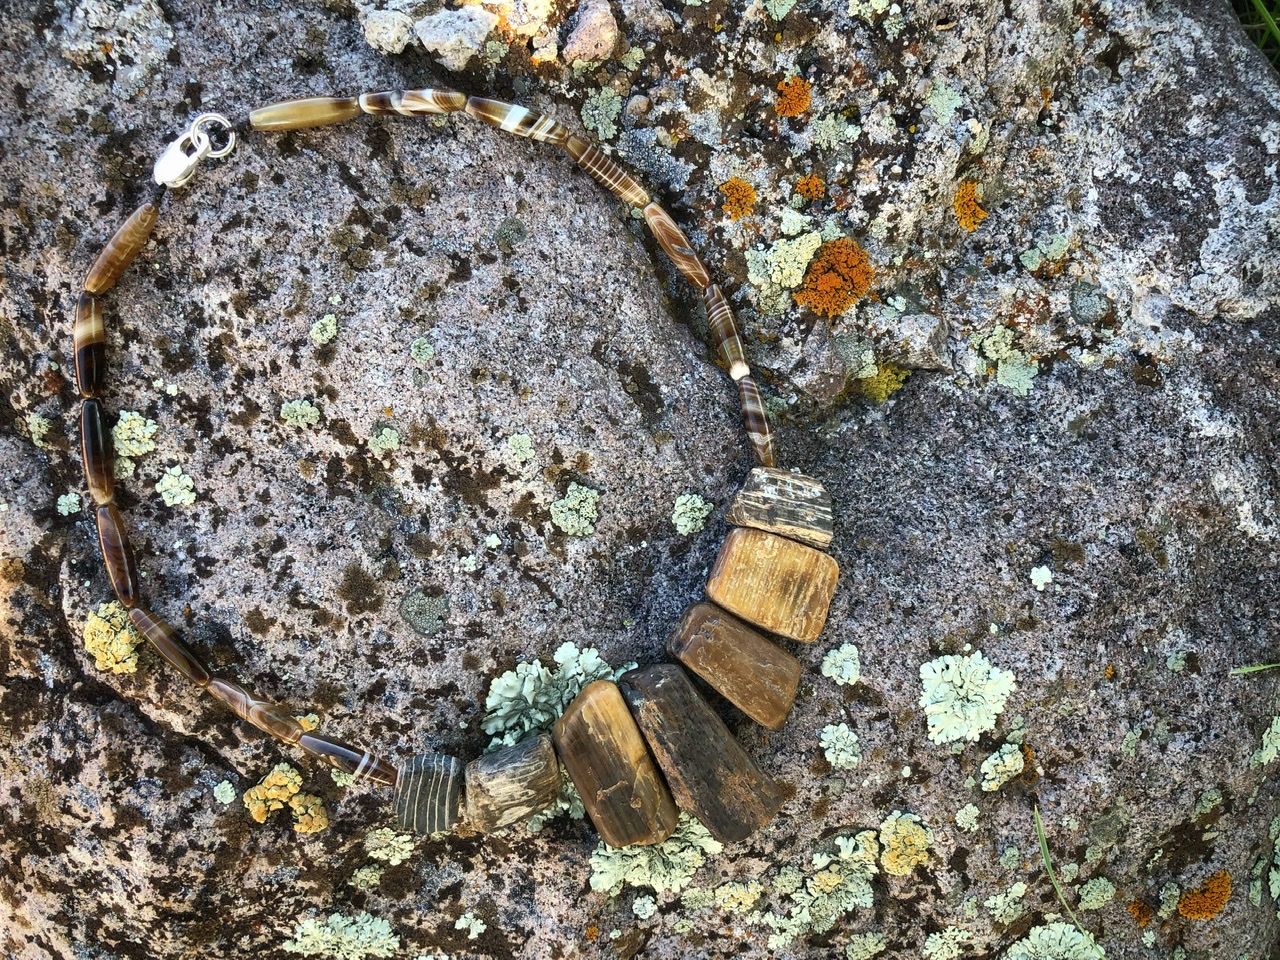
125 244
301 114
165 642
512 784
789 504
746 668
709 773
622 791
775 583
429 793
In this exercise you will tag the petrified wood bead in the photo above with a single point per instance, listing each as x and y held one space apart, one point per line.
789 504
120 250
359 763
676 245
773 582
412 103
89 345
95 452
165 642
117 555
747 669
755 422
429 793
601 747
518 120
299 114
725 332
709 773
606 172
266 715
512 784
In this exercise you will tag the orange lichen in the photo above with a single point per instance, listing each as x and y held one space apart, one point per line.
739 198
794 97
811 187
969 213
839 275
1110 672
1207 901
1141 913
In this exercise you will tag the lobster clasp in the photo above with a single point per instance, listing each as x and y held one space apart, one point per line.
177 164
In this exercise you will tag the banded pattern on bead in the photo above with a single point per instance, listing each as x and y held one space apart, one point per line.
672 240
518 120
606 172
301 114
117 555
360 764
266 715
89 345
429 793
165 642
125 244
412 103
725 331
95 453
755 422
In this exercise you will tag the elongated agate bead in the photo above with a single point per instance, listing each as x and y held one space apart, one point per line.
518 120
301 114
606 172
755 422
266 715
89 345
429 793
676 246
117 555
124 245
412 103
165 642
95 452
725 331
360 764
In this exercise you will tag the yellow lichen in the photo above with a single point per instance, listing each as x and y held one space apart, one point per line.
794 96
811 187
308 813
308 721
739 198
839 275
275 790
111 640
969 213
1207 901
905 841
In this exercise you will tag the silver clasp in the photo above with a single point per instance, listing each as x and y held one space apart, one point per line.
177 164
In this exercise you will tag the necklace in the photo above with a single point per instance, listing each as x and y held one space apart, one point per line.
637 750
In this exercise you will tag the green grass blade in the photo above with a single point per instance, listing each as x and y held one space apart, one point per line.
1256 668
1268 19
1048 868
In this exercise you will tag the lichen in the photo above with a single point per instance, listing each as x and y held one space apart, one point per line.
600 112
308 813
425 614
780 267
133 435
887 379
690 513
1142 913
1001 767
388 846
840 746
737 897
1006 907
1096 893
794 97
739 198
366 878
299 413
577 511
946 944
69 503
669 865
839 275
644 907
472 924
832 132
224 792
944 101
176 489
843 665
324 330
1270 747
967 817
865 946
1041 577
110 639
384 440
1206 901
344 938
340 777
520 448
811 187
38 428
272 792
1056 941
777 9
963 695
841 883
905 843
966 205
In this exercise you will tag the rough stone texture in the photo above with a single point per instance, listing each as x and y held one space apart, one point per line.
1127 153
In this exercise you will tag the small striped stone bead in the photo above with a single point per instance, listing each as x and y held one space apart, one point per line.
95 452
266 715
300 114
412 103
676 245
755 422
788 504
518 120
165 642
117 555
360 764
606 172
725 331
89 345
429 793
512 784
121 249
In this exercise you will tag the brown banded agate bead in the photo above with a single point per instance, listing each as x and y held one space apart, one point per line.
117 555
89 345
165 642
601 747
709 773
676 246
266 715
121 249
755 422
775 583
512 784
517 120
412 103
429 793
725 332
95 453
747 669
789 504
359 764
301 114
606 172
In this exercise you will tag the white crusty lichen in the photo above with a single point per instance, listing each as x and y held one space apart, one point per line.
324 330
388 846
644 907
840 746
472 924
1056 941
967 817
344 938
1006 907
1001 767
224 792
1041 577
780 268
69 503
690 513
384 440
669 865
946 944
962 696
110 639
600 112
1096 893
577 511
520 448
841 883
176 488
865 946
1014 369
843 665
1270 748
905 843
299 413
133 435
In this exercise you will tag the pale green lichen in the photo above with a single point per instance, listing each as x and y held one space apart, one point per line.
472 924
366 878
632 58
344 938
832 131
1010 857
600 112
1176 662
944 101
38 428
1001 767
324 330
905 843
865 946
946 944
1056 941
421 350
841 883
963 695
1007 907
690 513
776 270
133 435
110 639
793 222
1270 748
577 511
967 817
1170 894
176 489
840 746
384 440
1209 799
224 792
568 803
669 865
644 907
843 665
1096 893
1047 249
777 9
69 503
737 897
341 778
520 448
299 413
1014 369
388 846
1041 577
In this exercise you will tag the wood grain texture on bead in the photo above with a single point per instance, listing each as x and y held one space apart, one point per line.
412 103
517 120
743 666
89 346
429 793
165 642
676 245
121 249
302 114
755 422
512 784
709 773
724 331
117 555
95 452
775 583
267 715
789 504
622 791
606 172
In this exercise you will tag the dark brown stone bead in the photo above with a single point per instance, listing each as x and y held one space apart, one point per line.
300 114
512 784
117 555
165 642
743 666
788 504
358 763
95 453
266 715
429 793
601 747
89 344
709 773
120 250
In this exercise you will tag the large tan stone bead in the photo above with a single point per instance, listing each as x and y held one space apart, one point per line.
622 791
789 504
775 583
743 666
512 784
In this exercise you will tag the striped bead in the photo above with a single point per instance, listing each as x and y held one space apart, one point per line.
672 240
300 114
89 345
518 120
360 764
266 715
755 421
165 642
725 331
606 172
412 103
429 793
120 250
117 555
95 452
